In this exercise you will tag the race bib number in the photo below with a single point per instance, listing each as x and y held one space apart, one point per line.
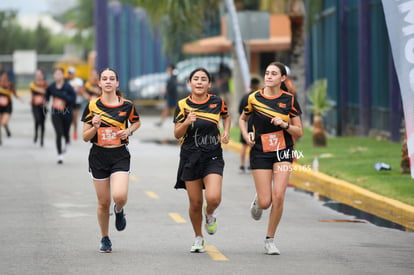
59 104
107 136
4 100
38 100
273 142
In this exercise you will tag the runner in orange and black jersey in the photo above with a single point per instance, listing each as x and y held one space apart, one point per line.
201 158
264 109
6 92
276 119
91 86
106 126
203 134
38 90
114 118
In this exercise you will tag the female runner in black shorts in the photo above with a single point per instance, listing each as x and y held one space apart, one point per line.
7 90
61 112
276 118
106 126
38 88
201 158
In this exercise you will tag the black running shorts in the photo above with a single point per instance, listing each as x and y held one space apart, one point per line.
265 160
198 165
103 162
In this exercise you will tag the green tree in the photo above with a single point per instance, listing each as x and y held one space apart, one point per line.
179 21
42 40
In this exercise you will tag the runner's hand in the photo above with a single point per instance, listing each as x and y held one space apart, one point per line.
96 121
225 138
249 138
191 118
123 134
277 121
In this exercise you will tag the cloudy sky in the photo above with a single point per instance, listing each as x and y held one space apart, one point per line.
30 7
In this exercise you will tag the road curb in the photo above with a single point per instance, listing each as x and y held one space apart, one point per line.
347 193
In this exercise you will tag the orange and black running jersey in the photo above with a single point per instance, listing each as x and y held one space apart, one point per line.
7 89
90 88
264 108
111 116
204 133
38 98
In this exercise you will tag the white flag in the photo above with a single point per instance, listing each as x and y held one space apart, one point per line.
399 16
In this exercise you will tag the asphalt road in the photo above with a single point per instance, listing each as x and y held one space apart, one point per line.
49 225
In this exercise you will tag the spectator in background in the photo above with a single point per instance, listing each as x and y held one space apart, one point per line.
254 85
171 94
77 84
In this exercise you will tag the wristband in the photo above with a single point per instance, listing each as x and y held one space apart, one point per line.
287 127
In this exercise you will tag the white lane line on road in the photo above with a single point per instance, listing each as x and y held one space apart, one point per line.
152 195
177 218
215 254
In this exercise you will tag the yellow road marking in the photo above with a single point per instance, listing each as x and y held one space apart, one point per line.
133 178
177 218
215 254
152 195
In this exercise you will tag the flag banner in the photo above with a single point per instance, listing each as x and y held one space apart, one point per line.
399 17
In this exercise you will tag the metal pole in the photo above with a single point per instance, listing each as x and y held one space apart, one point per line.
101 33
238 44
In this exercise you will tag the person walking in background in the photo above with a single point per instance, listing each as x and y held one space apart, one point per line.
77 84
7 90
223 82
201 164
276 118
61 111
171 94
288 83
38 92
254 85
105 125
91 87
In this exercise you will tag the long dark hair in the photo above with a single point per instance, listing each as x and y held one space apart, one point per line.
283 72
202 70
118 91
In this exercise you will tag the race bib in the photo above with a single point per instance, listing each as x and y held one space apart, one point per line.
58 104
273 142
4 100
107 136
38 100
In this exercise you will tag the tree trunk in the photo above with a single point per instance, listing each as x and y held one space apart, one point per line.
405 160
318 136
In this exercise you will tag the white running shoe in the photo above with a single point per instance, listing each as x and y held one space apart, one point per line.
60 159
270 247
255 210
198 246
211 222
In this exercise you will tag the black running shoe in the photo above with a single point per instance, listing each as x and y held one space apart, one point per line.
106 245
120 221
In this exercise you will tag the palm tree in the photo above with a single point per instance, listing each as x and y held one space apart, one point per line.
320 104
